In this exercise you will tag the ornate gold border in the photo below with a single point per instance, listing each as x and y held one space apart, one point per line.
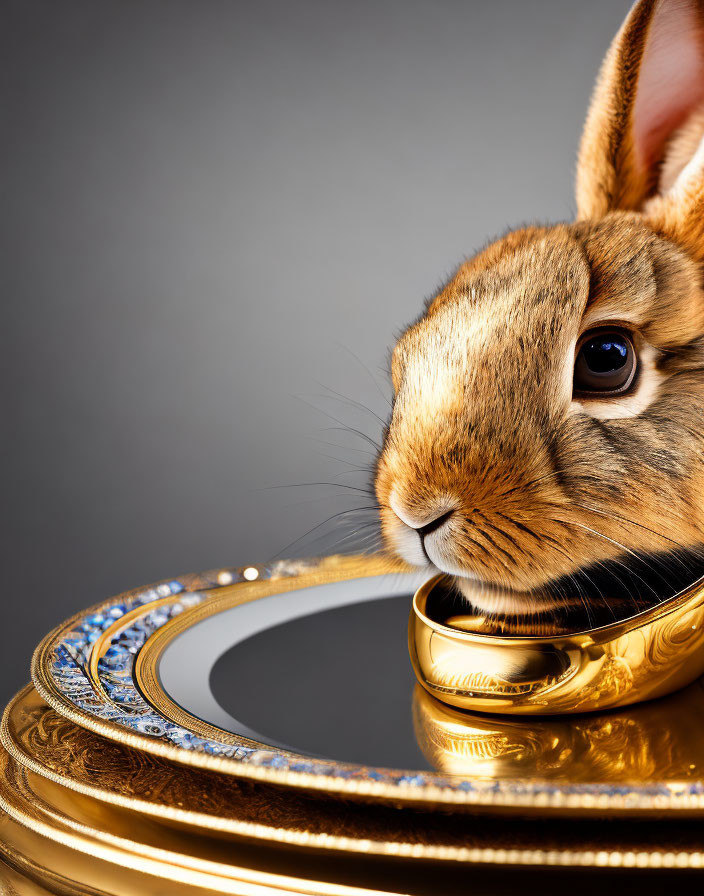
43 816
147 868
329 570
145 672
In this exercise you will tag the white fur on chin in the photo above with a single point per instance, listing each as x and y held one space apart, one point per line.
500 601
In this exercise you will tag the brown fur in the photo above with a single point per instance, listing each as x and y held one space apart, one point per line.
484 423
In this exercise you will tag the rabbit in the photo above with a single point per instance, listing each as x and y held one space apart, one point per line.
547 423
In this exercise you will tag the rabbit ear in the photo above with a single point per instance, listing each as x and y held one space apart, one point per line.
643 136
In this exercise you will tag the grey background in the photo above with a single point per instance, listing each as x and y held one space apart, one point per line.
208 210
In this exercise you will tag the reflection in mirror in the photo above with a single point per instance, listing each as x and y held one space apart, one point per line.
659 740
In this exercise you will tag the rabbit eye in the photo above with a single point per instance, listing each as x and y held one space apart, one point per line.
606 363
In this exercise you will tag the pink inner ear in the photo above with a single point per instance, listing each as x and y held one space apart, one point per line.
671 82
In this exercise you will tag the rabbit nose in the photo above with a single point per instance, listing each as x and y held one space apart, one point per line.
422 525
433 524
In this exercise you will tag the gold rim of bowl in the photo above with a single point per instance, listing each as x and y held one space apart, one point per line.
647 655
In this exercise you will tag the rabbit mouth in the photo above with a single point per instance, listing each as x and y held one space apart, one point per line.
598 594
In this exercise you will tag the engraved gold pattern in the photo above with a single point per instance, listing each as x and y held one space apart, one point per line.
48 788
85 814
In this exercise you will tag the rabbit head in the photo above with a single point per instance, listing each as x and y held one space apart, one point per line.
548 410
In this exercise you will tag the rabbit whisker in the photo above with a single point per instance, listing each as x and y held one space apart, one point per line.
350 429
345 399
622 519
368 371
356 432
623 548
355 488
366 451
334 516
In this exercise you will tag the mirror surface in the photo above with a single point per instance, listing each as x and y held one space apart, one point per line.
325 672
322 671
337 684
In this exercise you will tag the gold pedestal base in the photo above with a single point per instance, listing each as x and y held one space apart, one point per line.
93 804
83 815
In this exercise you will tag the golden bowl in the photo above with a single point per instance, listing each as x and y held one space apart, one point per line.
648 655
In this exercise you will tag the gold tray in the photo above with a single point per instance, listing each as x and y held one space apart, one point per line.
92 805
649 759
